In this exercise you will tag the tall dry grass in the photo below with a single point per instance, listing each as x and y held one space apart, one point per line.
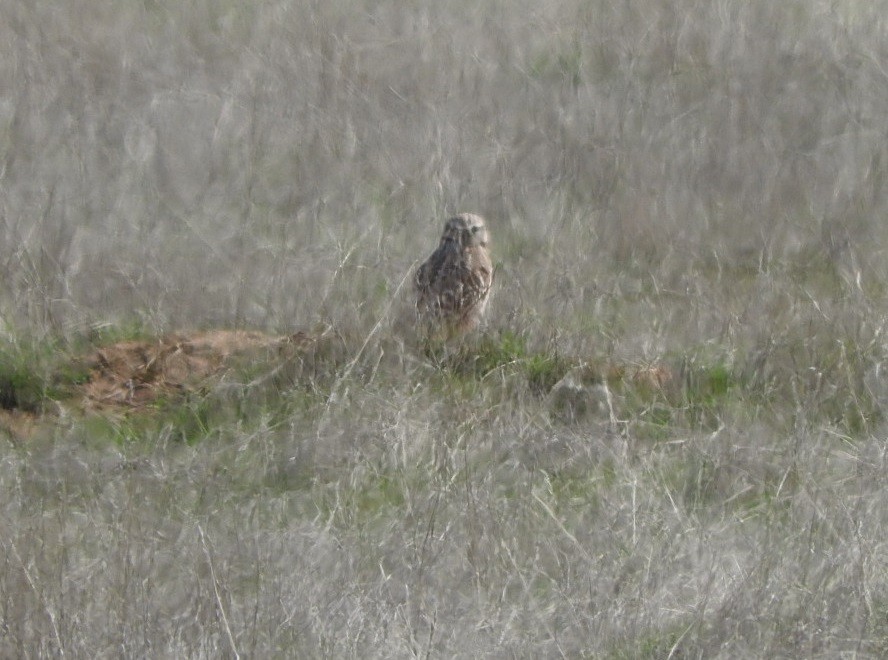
693 183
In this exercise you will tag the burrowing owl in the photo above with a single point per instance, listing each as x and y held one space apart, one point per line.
453 285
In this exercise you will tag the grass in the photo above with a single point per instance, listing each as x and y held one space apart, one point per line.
685 209
32 373
504 353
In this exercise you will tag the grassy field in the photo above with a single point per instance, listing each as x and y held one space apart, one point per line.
685 185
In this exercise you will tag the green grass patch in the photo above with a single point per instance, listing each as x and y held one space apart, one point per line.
104 334
123 430
507 351
192 420
651 645
706 388
33 372
20 388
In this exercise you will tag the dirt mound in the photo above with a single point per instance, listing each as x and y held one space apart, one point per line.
136 373
18 423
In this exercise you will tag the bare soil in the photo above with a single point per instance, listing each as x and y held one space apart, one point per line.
133 374
137 373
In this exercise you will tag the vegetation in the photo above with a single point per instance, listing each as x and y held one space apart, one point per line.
686 208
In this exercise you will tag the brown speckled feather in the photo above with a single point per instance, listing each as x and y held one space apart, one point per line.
453 285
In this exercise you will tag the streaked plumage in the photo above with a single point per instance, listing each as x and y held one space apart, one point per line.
453 285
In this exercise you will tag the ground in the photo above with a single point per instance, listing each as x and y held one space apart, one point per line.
666 439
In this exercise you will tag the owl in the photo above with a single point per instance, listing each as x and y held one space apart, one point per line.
453 285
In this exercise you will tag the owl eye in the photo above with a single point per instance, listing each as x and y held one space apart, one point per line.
475 229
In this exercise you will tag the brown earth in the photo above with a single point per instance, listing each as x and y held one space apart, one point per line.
130 375
136 373
18 423
133 374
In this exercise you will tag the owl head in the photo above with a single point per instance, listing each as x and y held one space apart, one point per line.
466 230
